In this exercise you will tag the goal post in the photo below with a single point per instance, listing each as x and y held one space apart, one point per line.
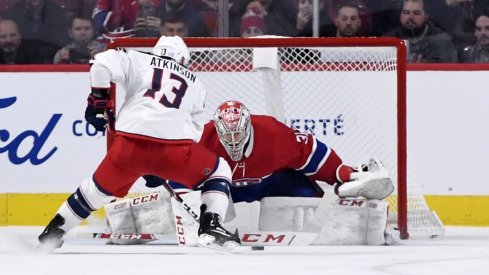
349 92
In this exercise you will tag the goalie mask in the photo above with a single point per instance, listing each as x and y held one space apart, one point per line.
232 121
173 47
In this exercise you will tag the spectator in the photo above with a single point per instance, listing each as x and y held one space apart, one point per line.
427 43
279 16
471 9
83 48
184 9
76 8
449 18
236 12
479 52
127 18
252 25
348 21
40 20
13 51
384 15
210 12
304 19
173 25
332 7
147 23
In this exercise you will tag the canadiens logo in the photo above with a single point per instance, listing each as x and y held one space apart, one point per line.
245 182
207 171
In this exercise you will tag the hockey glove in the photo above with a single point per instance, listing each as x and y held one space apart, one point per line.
95 112
375 183
153 181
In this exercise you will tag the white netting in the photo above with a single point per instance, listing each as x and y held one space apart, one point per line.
346 95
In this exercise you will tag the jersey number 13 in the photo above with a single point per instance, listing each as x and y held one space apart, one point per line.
156 86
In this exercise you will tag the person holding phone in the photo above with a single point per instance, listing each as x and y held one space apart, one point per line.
83 47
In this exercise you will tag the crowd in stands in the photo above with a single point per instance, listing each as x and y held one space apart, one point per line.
73 31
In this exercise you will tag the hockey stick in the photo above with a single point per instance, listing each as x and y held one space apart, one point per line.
254 239
123 236
179 199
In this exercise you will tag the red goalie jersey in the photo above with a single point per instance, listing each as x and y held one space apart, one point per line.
276 161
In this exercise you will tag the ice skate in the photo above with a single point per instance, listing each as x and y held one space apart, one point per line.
52 236
213 235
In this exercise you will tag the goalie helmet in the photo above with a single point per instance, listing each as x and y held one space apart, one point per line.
232 120
173 47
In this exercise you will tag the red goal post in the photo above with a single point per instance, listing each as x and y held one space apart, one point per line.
349 92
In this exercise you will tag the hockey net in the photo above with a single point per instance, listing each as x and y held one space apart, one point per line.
350 93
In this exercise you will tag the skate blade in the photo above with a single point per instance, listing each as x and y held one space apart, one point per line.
207 241
47 247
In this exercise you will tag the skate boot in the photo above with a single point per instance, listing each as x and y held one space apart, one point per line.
213 235
52 236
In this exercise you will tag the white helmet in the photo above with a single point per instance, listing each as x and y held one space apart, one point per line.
233 125
173 47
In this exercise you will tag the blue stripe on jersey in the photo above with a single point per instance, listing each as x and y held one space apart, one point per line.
175 185
216 184
318 157
79 205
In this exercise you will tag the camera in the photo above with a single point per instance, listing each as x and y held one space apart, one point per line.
146 11
79 55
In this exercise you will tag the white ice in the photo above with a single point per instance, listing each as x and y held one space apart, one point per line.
463 250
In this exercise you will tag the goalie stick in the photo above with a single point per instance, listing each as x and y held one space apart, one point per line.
196 217
254 239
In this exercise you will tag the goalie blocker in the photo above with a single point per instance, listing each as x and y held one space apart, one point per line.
273 221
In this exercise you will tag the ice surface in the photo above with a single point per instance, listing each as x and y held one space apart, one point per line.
463 250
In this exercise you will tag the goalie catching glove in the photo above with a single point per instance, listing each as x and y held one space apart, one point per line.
99 110
374 183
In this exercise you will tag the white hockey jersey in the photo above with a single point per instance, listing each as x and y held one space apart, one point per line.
163 99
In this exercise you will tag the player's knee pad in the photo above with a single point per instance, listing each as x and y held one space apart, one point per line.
215 190
219 180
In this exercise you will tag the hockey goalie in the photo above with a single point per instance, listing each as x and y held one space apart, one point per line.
282 190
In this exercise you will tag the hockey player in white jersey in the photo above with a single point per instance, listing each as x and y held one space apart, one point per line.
156 132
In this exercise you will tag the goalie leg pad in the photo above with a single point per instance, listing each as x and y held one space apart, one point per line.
377 222
354 222
148 213
286 213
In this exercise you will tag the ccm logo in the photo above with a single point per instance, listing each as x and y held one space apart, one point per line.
180 230
262 238
126 236
347 202
144 199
